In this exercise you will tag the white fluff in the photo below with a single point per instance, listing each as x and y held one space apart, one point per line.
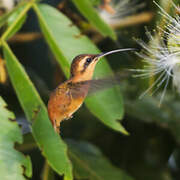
7 4
123 8
162 60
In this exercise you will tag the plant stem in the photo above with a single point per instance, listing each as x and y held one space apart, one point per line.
9 30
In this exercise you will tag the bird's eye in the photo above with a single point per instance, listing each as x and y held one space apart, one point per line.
88 60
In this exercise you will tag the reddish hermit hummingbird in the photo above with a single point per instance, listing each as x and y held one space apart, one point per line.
69 96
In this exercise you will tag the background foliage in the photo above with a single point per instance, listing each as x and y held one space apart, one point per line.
38 42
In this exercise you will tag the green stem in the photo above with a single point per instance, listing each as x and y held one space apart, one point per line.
8 31
47 172
27 147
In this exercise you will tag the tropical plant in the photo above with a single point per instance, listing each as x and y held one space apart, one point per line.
116 135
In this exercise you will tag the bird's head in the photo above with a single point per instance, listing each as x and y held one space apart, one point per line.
83 65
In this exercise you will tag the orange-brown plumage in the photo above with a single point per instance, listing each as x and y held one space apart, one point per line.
69 96
63 103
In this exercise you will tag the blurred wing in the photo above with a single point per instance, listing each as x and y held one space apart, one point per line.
89 87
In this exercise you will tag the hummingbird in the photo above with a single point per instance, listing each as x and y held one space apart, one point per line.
68 97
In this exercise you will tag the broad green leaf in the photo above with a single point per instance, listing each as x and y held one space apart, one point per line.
95 2
13 164
50 143
88 11
89 163
66 42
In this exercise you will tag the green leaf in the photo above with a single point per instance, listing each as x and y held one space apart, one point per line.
147 109
66 42
50 143
19 24
95 2
88 11
166 116
13 164
89 163
4 17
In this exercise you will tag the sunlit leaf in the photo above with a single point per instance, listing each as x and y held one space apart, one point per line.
66 42
13 164
50 143
95 2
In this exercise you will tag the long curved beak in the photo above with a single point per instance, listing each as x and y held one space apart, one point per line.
114 51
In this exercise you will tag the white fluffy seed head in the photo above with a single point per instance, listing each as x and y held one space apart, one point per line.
176 77
122 9
7 4
162 55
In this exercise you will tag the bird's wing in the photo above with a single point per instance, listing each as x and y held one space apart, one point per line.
89 87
